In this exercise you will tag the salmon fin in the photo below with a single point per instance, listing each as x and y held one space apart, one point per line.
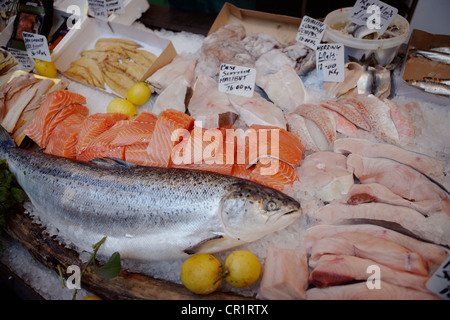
204 245
112 162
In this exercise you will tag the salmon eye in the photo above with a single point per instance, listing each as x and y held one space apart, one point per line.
271 205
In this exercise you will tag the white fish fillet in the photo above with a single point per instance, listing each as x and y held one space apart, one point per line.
402 121
427 165
352 72
258 110
326 174
172 97
434 254
434 228
322 117
378 116
285 88
297 126
360 291
347 111
271 62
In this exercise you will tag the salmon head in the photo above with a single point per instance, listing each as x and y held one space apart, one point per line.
250 211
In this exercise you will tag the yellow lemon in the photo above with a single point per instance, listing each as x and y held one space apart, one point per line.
242 268
201 273
120 105
45 68
139 93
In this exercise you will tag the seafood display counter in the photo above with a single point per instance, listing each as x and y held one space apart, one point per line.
333 187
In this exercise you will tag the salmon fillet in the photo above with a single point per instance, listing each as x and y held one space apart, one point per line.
55 100
64 138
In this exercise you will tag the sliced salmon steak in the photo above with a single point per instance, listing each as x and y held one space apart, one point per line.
168 127
64 138
145 117
36 129
134 133
95 125
63 114
274 173
100 146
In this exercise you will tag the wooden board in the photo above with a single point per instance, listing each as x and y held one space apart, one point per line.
127 286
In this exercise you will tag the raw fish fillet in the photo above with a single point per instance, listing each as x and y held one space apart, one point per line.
344 126
172 97
352 73
284 274
61 115
321 117
271 62
258 110
137 153
94 126
135 133
399 178
100 146
326 174
434 254
402 121
347 111
360 291
378 116
375 192
274 173
55 100
178 67
168 127
363 245
297 126
284 88
12 116
64 138
339 269
434 228
303 56
209 105
421 162
260 43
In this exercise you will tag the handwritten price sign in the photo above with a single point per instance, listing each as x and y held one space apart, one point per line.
37 46
237 80
374 14
330 61
310 32
439 282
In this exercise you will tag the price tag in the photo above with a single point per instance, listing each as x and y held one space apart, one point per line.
374 14
115 6
439 282
21 57
237 80
37 46
330 61
310 32
98 9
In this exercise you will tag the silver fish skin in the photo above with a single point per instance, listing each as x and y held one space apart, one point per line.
431 87
147 213
441 49
435 56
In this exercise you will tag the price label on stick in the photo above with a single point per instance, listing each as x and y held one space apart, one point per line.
115 6
439 283
37 46
310 32
374 14
330 61
237 80
98 9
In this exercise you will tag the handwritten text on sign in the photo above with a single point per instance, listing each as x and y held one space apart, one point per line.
439 282
37 46
237 80
374 14
310 32
98 9
330 61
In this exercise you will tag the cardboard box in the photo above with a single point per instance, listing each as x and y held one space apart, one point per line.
87 31
281 27
416 68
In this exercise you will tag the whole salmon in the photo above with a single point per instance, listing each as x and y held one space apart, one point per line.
147 213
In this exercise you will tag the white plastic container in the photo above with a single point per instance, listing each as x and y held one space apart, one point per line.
385 49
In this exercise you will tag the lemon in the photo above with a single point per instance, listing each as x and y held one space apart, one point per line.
120 105
45 68
91 298
201 273
242 268
139 93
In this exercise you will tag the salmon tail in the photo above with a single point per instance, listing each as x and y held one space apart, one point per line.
6 141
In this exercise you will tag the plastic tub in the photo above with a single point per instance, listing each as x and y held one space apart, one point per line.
385 49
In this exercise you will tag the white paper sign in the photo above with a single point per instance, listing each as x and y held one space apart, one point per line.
374 14
37 46
439 283
115 6
310 32
237 80
98 9
330 61
21 57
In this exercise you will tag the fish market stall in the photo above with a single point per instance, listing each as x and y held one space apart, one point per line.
150 148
